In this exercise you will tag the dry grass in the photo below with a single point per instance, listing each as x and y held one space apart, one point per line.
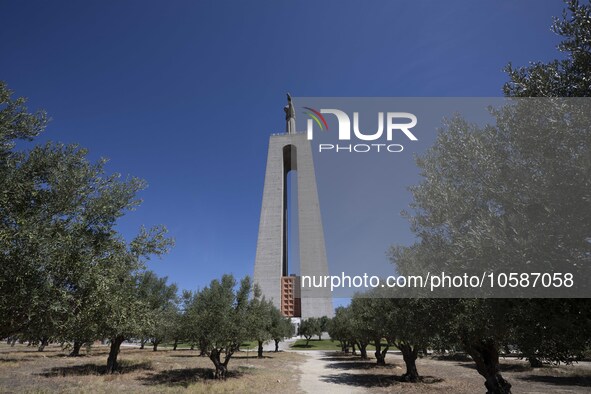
24 370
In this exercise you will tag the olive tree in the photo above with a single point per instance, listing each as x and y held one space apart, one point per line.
122 311
162 303
259 315
221 319
281 327
66 273
309 328
340 328
515 191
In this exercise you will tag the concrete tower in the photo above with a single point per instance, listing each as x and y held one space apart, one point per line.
287 152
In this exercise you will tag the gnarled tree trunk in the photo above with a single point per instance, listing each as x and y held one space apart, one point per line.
363 350
113 353
345 347
75 349
380 353
276 345
486 356
410 360
220 368
535 362
176 343
44 342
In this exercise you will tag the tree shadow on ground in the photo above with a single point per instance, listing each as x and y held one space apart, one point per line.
357 365
22 349
94 369
373 380
573 380
503 367
184 355
184 377
16 360
343 358
67 355
251 357
452 357
34 353
302 346
515 367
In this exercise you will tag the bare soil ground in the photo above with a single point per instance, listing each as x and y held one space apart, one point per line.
24 370
443 376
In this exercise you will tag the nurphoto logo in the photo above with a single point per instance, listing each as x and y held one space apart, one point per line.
396 122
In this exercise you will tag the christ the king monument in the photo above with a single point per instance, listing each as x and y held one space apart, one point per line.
287 152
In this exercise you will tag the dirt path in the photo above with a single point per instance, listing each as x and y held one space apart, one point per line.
316 377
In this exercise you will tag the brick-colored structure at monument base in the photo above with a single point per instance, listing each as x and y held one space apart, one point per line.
291 297
291 152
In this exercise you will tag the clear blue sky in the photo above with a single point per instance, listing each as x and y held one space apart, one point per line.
185 93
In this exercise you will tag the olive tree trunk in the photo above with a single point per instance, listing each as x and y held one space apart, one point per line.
345 347
113 353
44 342
221 368
75 349
260 350
486 356
409 354
380 353
363 350
535 362
202 348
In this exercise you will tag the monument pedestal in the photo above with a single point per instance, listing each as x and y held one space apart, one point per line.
289 152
